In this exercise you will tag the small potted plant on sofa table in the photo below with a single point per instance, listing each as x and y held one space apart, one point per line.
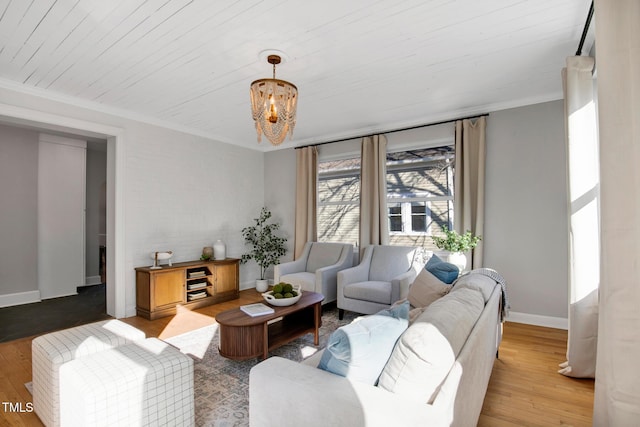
456 244
266 247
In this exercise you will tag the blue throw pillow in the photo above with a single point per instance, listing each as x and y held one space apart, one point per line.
359 351
444 271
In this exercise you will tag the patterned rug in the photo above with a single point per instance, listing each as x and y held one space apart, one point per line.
222 385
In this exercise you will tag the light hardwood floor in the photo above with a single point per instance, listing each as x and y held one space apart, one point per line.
525 388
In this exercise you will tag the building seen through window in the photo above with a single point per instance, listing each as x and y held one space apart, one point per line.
419 196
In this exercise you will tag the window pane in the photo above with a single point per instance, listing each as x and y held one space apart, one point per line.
428 171
418 217
441 215
421 182
338 200
338 223
341 189
418 208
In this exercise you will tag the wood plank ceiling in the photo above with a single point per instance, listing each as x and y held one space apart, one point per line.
360 66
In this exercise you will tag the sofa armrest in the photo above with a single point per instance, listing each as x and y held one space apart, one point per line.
319 399
400 285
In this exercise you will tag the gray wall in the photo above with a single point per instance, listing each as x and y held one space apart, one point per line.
526 207
18 210
525 219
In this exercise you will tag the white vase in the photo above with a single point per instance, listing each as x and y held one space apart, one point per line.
262 285
219 250
458 259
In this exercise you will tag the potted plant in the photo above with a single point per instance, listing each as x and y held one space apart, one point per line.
456 244
266 247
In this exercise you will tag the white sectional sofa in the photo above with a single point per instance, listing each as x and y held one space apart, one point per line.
437 374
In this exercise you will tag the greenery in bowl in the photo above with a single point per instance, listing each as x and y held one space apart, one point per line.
454 242
266 247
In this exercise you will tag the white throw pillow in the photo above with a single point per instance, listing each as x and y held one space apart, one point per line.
360 350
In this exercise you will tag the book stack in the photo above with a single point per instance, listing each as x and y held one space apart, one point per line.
192 296
257 309
196 285
197 274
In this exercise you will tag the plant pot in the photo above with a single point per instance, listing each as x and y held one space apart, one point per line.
262 285
458 259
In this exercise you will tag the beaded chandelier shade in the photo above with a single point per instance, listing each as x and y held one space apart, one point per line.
273 105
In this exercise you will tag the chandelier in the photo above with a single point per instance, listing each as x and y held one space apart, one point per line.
273 106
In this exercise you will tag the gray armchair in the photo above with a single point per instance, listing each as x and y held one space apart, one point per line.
382 278
317 268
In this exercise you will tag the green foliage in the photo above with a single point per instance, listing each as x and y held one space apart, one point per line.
266 247
454 242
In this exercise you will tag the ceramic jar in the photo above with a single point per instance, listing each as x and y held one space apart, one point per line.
219 250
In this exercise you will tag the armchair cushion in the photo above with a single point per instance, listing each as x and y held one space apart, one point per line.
360 350
375 291
444 271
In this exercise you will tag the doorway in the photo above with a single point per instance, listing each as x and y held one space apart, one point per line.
46 122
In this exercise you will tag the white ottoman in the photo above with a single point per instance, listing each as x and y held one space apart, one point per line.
146 383
49 352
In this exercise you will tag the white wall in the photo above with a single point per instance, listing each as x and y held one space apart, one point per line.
525 219
18 215
95 212
181 192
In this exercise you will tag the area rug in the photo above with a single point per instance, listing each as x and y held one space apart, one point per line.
222 385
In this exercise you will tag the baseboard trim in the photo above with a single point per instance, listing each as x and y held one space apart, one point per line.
538 320
92 280
19 298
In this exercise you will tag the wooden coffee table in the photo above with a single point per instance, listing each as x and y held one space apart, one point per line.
243 337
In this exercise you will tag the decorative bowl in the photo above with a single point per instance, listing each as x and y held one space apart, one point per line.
283 302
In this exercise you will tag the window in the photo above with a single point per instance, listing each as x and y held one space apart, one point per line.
339 200
419 197
419 194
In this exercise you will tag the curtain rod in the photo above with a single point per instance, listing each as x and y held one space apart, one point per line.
394 130
585 30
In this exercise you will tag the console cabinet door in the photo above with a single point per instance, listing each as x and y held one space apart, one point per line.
226 278
168 288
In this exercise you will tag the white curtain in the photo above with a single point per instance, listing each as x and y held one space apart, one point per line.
374 229
469 181
583 189
306 196
617 385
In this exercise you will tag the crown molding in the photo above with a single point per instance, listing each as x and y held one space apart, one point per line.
105 109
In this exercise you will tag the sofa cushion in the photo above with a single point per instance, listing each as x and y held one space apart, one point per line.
426 288
360 350
480 282
426 351
323 255
444 271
